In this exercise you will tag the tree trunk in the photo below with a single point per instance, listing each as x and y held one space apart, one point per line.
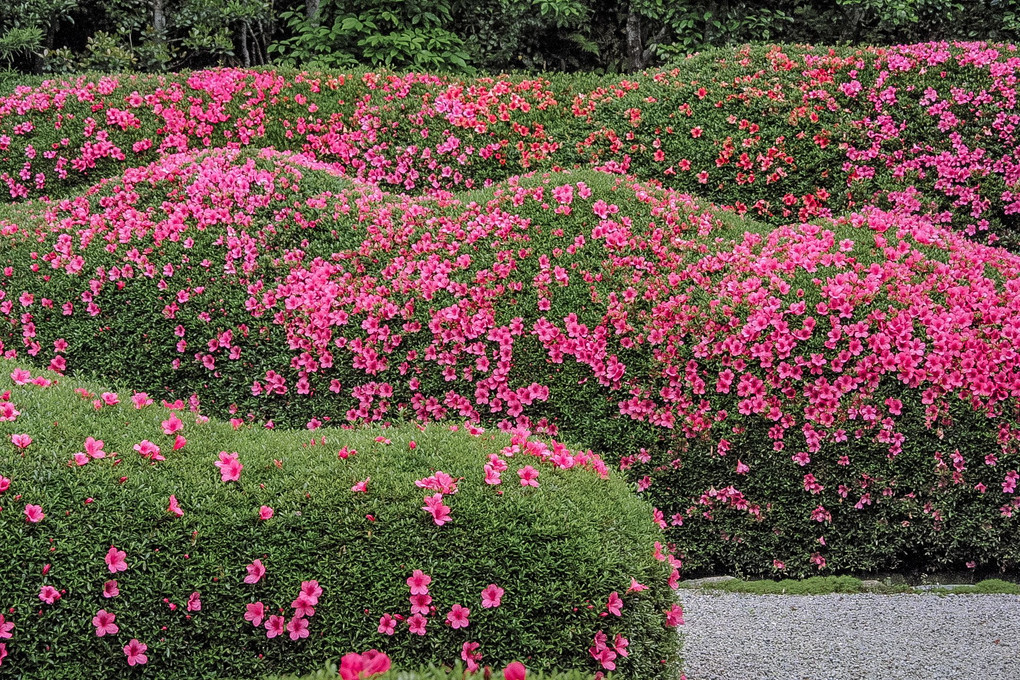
312 10
634 50
245 54
158 20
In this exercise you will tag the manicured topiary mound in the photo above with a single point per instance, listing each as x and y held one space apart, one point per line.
840 396
139 535
786 133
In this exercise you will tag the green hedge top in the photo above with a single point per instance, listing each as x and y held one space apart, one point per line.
140 539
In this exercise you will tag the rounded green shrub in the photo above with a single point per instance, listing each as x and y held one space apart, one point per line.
157 538
795 399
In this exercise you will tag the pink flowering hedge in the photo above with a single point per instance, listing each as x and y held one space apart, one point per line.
139 535
784 133
839 396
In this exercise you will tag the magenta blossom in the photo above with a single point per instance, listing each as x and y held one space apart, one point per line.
255 613
116 560
492 596
363 666
419 582
458 617
110 589
528 475
34 514
255 572
49 594
230 467
135 652
416 624
275 625
387 624
104 623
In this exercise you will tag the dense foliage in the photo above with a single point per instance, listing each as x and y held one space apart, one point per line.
783 134
61 36
837 396
140 535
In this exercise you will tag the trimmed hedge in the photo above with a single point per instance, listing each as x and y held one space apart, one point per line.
839 396
559 550
783 132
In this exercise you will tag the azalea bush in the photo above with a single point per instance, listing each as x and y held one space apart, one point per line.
140 534
838 396
785 133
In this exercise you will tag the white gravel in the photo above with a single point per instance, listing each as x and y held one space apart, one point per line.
850 637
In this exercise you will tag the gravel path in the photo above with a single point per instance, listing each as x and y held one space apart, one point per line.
850 637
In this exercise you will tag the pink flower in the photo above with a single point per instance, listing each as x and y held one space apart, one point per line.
387 624
49 594
34 514
275 625
419 582
141 400
492 476
5 483
615 604
515 671
420 604
363 666
230 467
605 656
458 617
174 508
147 449
620 644
110 589
3 653
434 506
528 475
361 487
311 591
675 616
742 469
470 656
195 602
302 607
255 612
5 628
116 560
440 482
492 596
104 623
298 627
94 448
265 512
255 572
22 441
172 425
417 624
135 652
636 587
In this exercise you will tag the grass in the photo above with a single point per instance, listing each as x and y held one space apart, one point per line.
827 585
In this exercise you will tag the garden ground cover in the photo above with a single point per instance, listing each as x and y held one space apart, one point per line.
198 549
809 368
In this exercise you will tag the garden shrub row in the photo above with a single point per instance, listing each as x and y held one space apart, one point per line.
143 539
787 133
836 396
